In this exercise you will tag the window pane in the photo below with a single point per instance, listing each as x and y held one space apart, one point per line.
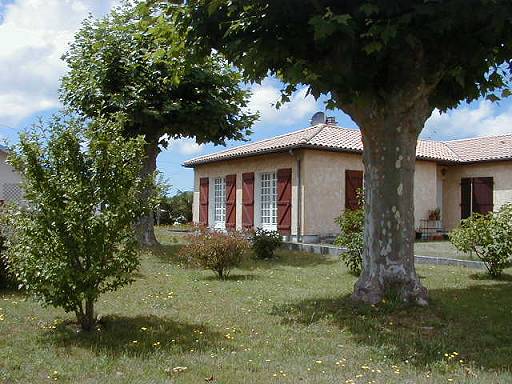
220 200
268 199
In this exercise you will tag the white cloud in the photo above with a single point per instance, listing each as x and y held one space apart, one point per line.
185 146
481 119
34 34
265 95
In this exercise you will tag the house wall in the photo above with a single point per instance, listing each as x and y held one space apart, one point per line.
324 188
501 171
10 180
263 163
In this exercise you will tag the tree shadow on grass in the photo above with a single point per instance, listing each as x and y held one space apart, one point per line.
232 277
474 322
289 258
484 276
166 253
136 335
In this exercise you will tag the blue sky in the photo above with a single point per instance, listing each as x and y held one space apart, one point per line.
35 33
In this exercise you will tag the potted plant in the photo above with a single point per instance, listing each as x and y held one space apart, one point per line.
434 214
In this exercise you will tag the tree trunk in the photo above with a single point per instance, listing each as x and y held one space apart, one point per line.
86 318
389 158
145 227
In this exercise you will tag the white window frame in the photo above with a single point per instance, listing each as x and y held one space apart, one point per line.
267 213
218 197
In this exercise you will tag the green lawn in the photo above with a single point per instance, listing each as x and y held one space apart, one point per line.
285 321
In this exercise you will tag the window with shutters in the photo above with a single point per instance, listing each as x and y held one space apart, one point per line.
476 195
219 202
268 199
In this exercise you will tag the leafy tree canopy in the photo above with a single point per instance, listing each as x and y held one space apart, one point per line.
127 62
365 51
134 61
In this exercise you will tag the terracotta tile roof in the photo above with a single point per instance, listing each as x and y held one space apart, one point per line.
482 148
334 138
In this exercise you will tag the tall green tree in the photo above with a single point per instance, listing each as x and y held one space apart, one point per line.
127 62
75 238
387 64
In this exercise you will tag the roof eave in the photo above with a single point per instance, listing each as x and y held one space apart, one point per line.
193 164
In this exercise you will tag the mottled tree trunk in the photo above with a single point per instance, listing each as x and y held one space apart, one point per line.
389 157
145 226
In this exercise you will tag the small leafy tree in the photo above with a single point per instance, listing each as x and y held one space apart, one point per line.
351 224
264 243
121 63
487 236
75 238
217 251
4 275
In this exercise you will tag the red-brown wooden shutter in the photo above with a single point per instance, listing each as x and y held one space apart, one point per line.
284 201
231 202
482 195
248 200
203 201
353 183
465 197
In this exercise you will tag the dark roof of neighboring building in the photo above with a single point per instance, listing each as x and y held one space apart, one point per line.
333 138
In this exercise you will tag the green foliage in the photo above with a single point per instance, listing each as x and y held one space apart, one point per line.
177 208
217 251
74 239
351 224
362 52
264 243
487 236
5 277
126 62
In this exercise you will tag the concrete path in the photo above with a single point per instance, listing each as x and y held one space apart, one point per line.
332 250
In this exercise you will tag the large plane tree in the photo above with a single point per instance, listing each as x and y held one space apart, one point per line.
126 63
386 63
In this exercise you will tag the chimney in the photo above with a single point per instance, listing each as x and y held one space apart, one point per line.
331 120
317 118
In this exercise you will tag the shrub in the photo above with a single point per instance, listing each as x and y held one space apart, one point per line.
489 237
351 224
264 243
74 240
216 251
4 275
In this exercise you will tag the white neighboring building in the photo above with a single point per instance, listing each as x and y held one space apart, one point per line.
10 180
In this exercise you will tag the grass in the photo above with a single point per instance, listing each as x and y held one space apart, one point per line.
289 320
440 249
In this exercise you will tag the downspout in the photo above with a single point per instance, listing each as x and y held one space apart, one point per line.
299 201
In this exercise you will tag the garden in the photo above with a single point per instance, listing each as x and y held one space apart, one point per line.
92 291
288 319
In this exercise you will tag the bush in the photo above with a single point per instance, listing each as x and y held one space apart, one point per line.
4 275
74 240
176 209
216 251
489 237
351 224
264 243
